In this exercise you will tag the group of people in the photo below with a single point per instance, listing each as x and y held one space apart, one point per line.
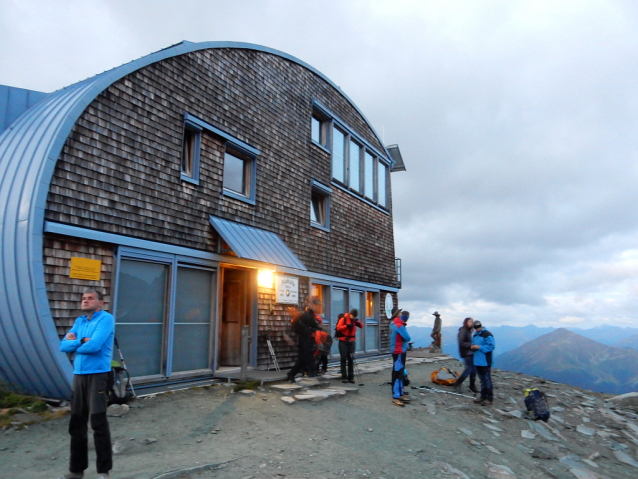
475 348
314 341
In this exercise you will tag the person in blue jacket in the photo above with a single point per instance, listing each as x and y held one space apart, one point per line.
91 339
483 344
399 343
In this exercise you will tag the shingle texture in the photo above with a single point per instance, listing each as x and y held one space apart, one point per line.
120 168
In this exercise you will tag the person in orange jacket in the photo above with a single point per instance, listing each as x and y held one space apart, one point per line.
347 335
323 341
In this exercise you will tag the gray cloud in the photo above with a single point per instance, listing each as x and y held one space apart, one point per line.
518 122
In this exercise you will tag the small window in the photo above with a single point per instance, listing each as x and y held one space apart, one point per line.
239 175
320 127
338 155
320 206
190 153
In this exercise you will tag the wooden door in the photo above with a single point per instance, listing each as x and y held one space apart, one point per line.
235 314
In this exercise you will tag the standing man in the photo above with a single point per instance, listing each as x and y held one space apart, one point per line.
346 329
483 344
467 354
436 331
91 339
399 345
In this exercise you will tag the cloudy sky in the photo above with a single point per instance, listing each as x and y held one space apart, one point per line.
518 123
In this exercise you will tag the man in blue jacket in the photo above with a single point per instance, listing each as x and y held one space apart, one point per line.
483 344
91 339
399 343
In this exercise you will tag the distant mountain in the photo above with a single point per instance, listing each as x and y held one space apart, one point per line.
631 342
507 337
608 335
570 358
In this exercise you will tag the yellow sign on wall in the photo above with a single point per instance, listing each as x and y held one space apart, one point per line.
84 268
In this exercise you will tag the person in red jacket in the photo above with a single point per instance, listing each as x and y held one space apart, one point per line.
347 335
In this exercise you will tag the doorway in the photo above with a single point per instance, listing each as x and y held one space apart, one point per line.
235 313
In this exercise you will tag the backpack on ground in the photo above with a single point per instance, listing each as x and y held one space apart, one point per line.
444 376
536 404
118 381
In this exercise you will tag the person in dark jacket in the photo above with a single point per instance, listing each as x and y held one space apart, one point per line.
347 328
305 325
466 353
483 344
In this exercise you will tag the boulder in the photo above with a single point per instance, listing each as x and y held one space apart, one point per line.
629 401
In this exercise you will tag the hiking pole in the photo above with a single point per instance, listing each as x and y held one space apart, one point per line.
130 383
356 369
433 390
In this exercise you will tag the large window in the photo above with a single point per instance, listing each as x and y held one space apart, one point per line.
354 166
382 175
356 301
368 189
190 152
141 315
338 155
239 174
338 305
164 314
372 322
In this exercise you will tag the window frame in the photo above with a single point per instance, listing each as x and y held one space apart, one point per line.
319 189
196 138
325 128
250 173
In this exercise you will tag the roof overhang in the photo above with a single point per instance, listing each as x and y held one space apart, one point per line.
253 243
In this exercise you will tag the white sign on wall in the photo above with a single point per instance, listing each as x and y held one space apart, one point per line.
388 305
287 289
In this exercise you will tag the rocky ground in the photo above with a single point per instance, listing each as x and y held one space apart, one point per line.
216 433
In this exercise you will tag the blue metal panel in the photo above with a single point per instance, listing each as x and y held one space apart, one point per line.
254 243
14 102
29 149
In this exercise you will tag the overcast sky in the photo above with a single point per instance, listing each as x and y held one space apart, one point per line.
517 121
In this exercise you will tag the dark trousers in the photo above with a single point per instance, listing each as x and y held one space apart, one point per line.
322 362
88 401
485 375
398 374
469 370
305 360
346 350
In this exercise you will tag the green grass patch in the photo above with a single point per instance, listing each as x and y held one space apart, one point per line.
246 385
10 397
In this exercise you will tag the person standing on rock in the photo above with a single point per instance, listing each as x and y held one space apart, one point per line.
399 344
347 332
483 344
91 339
466 353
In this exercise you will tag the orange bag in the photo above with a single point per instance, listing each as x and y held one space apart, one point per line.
444 376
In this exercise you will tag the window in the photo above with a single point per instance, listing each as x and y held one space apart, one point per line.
354 166
356 303
320 206
239 174
372 322
319 127
338 155
368 183
190 153
382 174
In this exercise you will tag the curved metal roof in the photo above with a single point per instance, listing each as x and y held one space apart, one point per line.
29 150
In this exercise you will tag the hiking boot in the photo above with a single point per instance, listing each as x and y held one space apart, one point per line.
73 475
344 381
398 402
104 475
487 403
479 400
473 389
457 388
405 398
351 381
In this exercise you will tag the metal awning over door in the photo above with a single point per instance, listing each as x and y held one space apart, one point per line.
253 243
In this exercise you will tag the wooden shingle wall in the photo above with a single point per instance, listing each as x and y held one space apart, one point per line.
65 293
120 168
274 323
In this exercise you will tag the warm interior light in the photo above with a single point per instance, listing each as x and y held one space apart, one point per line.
265 278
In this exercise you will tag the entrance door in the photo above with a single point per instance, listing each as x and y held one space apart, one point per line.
235 314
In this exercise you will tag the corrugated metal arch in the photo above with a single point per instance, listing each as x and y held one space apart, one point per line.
29 150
